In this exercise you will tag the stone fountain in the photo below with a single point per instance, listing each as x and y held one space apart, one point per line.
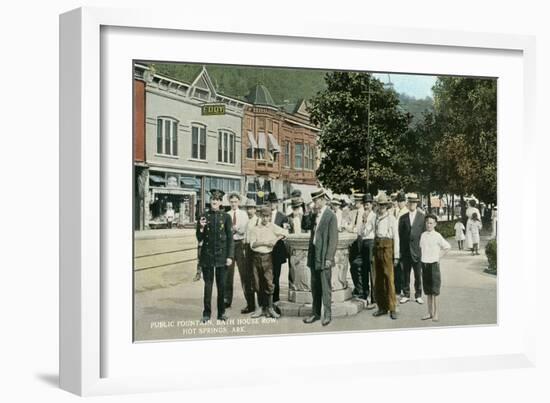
299 289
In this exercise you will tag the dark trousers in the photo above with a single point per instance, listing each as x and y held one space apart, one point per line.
366 266
208 274
249 258
241 263
356 262
409 264
384 287
398 277
321 291
276 275
263 277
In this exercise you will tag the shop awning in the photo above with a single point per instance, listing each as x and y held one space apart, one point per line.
262 144
157 179
273 145
171 191
190 182
252 140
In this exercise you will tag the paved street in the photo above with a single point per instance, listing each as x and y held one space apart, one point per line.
168 304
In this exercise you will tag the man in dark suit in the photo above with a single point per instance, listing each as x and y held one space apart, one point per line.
411 227
323 242
355 218
214 230
279 254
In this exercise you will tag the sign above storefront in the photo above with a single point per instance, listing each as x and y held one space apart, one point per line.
213 109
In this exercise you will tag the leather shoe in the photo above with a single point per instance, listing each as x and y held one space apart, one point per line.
311 319
222 317
205 319
227 305
247 310
325 321
393 315
379 313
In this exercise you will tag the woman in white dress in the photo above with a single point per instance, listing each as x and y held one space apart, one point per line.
459 234
473 227
469 213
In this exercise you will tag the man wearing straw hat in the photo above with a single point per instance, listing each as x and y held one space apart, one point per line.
295 217
411 227
365 233
386 254
336 206
354 221
239 220
279 254
323 242
253 222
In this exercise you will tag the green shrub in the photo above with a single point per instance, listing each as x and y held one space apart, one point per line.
446 228
491 252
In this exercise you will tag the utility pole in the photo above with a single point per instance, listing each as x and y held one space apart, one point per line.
368 134
369 142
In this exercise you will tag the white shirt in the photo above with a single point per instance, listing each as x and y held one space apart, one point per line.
266 233
252 222
412 215
386 227
354 219
242 220
431 244
297 224
366 229
339 218
317 220
170 213
273 215
471 210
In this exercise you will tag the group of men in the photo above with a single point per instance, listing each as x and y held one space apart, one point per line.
388 236
254 242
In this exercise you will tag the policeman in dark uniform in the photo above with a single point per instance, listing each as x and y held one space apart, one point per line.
215 231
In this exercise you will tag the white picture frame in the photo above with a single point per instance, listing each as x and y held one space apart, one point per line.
96 354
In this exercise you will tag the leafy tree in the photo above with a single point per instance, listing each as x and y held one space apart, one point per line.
416 107
360 151
465 114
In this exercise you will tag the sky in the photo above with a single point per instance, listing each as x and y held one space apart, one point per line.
413 85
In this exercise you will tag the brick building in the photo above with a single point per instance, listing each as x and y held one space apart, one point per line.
189 137
279 147
140 165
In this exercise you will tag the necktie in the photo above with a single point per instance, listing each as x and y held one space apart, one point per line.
234 218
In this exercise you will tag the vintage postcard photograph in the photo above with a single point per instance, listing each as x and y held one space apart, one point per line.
277 201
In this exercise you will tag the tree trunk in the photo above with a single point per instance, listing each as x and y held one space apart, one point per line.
453 207
463 210
429 203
